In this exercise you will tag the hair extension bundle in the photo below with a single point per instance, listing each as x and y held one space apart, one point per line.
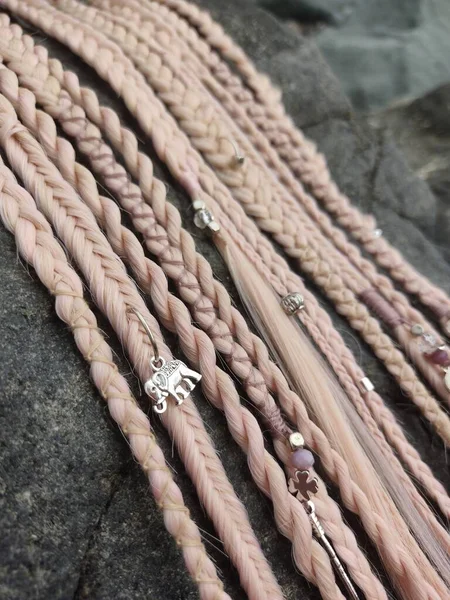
38 247
304 159
92 252
388 428
61 153
360 280
239 158
142 224
317 267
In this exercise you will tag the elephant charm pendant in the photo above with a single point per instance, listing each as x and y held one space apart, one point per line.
172 379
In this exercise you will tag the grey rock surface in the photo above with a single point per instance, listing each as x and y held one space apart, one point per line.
380 50
390 50
334 12
77 520
421 130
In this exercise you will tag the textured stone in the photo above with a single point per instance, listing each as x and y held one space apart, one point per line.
336 12
381 50
421 130
389 50
76 517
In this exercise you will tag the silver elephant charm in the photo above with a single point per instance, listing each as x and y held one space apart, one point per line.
171 379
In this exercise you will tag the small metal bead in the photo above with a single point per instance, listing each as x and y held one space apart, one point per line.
377 233
202 218
365 385
214 226
296 440
417 329
292 303
198 205
447 379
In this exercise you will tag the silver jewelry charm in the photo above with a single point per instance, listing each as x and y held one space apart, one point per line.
302 485
321 536
365 385
170 379
292 303
447 378
305 484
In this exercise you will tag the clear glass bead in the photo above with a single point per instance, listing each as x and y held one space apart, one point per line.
428 343
203 218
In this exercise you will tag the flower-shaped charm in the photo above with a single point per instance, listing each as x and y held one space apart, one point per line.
303 483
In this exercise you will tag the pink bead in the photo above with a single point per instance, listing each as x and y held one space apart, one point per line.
302 459
439 357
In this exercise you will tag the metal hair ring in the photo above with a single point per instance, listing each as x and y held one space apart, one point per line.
156 361
239 158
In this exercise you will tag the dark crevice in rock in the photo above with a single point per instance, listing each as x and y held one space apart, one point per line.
379 147
117 481
293 10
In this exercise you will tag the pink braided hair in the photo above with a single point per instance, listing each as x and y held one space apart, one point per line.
60 150
40 249
75 130
166 215
257 202
423 402
72 38
306 162
113 290
360 281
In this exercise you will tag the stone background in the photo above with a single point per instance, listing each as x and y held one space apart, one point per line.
76 519
381 50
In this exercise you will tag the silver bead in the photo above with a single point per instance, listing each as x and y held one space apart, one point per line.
296 440
377 233
198 204
365 385
292 303
417 329
447 379
204 219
